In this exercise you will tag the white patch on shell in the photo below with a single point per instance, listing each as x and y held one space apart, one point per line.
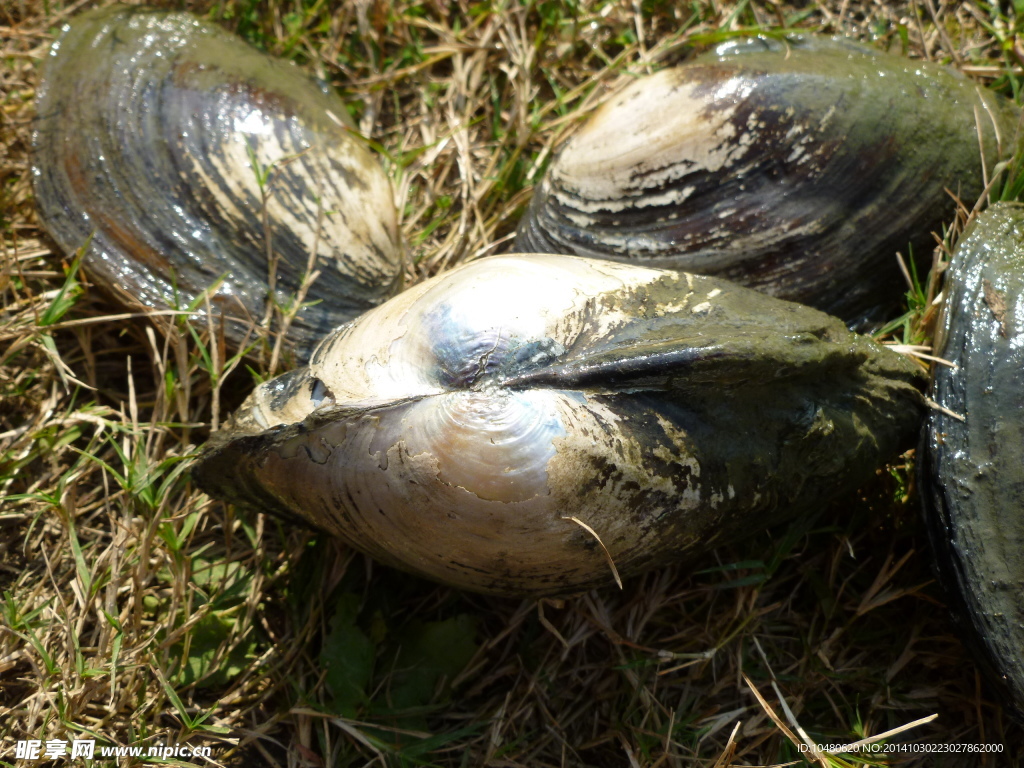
826 118
366 230
681 457
652 134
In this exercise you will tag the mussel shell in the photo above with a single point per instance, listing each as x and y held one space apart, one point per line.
797 167
973 470
148 123
496 427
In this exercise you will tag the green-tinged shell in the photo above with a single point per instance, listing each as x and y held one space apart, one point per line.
503 426
154 130
797 167
973 469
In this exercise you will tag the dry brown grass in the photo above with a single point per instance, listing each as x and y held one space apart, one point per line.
138 611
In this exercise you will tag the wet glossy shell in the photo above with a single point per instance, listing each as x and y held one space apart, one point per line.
488 427
798 168
148 124
973 470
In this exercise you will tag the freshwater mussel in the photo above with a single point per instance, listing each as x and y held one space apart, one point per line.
543 424
972 465
799 167
190 162
521 423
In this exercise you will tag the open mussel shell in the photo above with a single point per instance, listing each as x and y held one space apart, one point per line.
518 424
798 167
176 151
972 469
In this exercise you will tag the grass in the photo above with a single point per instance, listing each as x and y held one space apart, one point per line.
137 611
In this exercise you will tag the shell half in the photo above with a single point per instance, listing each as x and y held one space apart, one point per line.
153 132
973 469
799 168
500 427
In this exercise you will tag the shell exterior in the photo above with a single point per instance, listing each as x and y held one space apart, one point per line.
148 125
973 470
799 168
487 427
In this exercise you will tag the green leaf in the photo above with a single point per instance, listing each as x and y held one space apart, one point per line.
347 657
203 667
261 173
429 658
69 292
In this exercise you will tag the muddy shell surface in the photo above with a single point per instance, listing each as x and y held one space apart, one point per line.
973 470
497 427
797 167
153 129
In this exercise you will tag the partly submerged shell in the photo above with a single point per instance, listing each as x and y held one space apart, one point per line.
973 469
799 168
153 129
497 427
